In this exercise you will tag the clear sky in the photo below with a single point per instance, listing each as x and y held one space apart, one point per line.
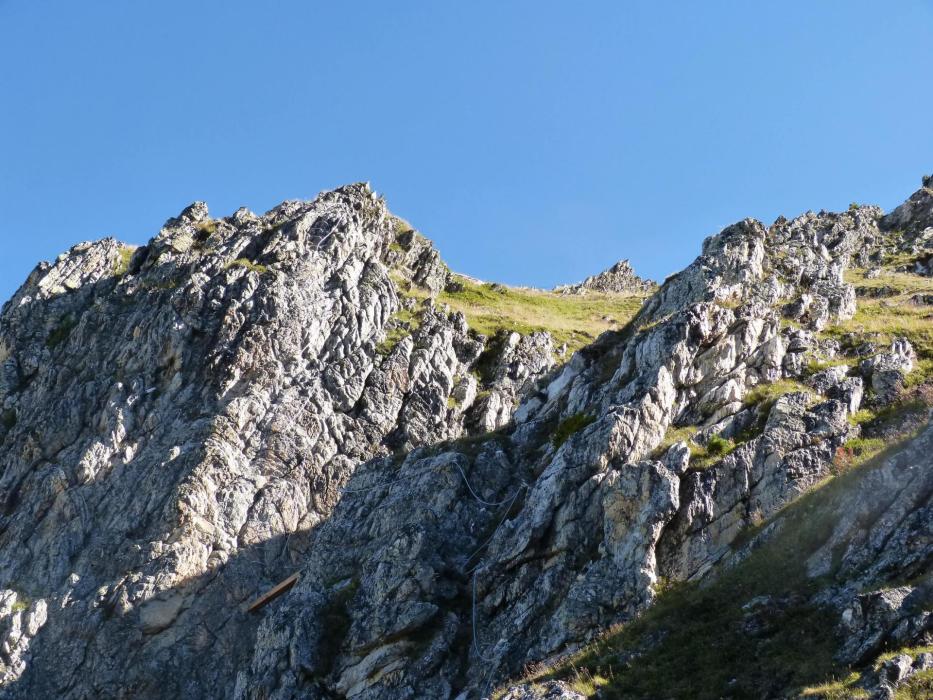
536 142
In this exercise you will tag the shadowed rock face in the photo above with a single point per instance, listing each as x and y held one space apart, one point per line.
186 424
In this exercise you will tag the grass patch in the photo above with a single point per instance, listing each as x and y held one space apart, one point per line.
402 324
918 687
572 319
569 426
207 228
878 425
816 366
910 651
247 264
716 448
701 456
855 452
22 603
673 436
124 258
882 320
764 395
842 689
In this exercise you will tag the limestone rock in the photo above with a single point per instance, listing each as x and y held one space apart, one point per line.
551 690
618 279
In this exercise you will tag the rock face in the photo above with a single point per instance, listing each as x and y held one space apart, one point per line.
618 279
187 423
178 417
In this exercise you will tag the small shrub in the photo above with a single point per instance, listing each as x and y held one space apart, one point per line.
856 452
569 426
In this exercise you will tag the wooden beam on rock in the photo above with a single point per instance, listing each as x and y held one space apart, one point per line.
272 593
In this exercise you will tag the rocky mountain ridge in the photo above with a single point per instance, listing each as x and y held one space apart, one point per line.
619 279
188 423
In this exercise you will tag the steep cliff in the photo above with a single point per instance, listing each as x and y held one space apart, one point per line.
188 423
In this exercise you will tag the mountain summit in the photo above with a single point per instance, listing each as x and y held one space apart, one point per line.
294 455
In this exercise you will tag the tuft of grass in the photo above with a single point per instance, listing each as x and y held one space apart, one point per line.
815 365
586 682
675 435
124 258
717 447
402 324
837 689
764 395
569 426
918 687
247 264
701 456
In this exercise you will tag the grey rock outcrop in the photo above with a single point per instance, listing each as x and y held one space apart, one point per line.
551 690
618 279
895 672
794 452
888 370
883 533
20 621
177 417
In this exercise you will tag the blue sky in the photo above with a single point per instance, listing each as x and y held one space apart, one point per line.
536 142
